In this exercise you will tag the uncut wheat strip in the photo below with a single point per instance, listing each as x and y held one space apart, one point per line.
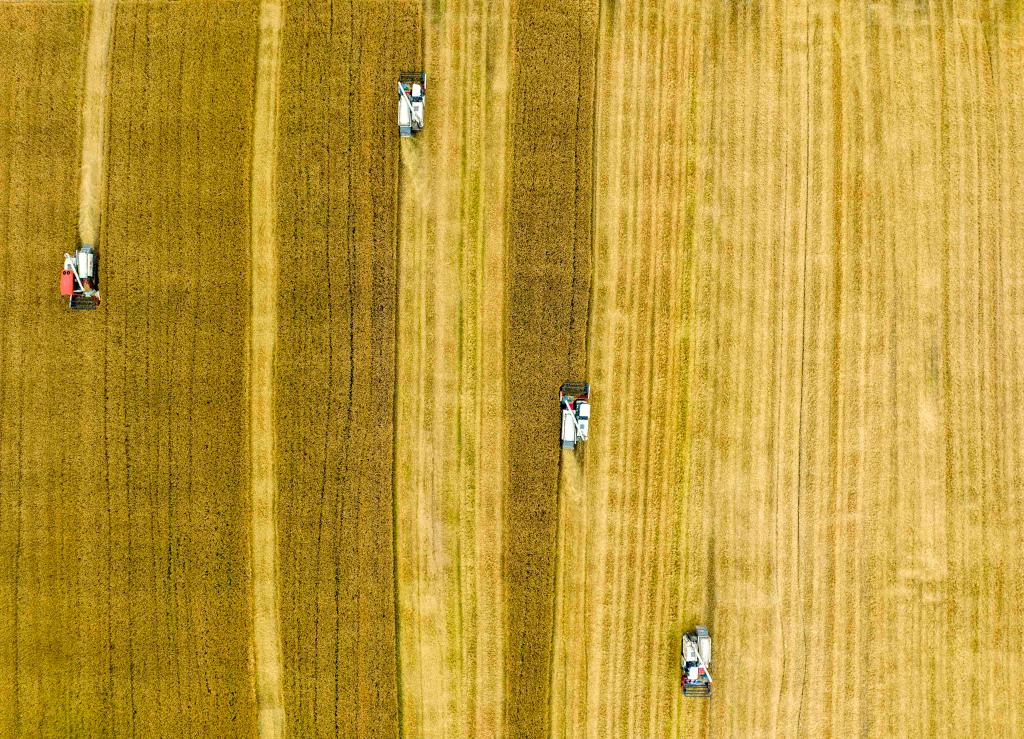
47 550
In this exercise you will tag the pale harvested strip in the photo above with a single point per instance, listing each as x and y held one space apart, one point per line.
875 151
262 346
450 410
743 168
54 656
615 673
94 118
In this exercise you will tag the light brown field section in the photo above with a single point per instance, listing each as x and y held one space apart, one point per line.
94 118
124 476
854 429
616 628
450 419
335 368
262 343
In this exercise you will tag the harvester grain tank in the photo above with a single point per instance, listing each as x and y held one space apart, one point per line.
574 401
79 280
412 93
696 661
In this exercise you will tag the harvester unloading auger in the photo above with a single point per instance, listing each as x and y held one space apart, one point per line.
574 400
79 280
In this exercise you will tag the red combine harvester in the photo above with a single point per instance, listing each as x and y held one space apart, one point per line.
79 280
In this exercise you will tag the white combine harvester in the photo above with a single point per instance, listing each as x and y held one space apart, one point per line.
696 659
79 280
412 92
574 400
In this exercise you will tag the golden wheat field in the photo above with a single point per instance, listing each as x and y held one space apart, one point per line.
300 475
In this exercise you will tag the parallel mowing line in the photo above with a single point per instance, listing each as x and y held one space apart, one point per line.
262 340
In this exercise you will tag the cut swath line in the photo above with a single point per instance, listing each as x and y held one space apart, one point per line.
94 118
262 339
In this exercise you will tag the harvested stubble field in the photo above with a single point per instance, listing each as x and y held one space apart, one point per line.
300 475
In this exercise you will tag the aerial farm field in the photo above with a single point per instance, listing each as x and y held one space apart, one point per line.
299 474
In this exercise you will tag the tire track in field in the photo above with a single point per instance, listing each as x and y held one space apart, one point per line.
94 118
263 337
450 406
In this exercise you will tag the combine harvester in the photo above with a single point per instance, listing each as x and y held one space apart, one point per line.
412 92
696 659
79 280
574 400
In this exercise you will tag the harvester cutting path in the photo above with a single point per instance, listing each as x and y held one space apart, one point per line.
79 280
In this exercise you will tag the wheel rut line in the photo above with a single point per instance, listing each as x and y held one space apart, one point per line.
262 345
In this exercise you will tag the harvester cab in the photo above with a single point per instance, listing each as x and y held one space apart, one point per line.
412 92
79 280
574 400
696 658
